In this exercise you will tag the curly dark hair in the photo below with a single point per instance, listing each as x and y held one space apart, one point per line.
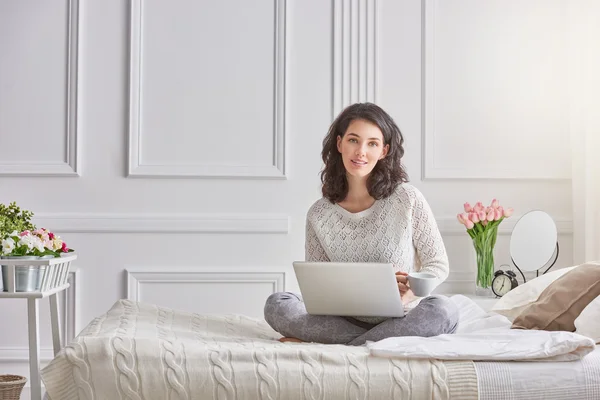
387 174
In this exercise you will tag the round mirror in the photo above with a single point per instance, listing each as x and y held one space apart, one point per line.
533 240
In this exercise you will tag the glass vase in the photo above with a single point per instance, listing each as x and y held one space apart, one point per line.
484 243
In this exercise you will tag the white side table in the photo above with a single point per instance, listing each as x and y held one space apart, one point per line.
54 281
484 302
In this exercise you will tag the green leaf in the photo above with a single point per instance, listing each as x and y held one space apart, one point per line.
12 218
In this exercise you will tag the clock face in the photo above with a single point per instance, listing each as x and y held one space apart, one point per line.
501 285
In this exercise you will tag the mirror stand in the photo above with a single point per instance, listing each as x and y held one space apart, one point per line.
537 271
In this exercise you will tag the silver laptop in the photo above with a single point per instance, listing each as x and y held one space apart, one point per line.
349 289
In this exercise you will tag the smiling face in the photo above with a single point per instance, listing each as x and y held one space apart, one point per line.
361 147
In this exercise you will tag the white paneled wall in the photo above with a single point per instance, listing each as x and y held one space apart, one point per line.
496 89
195 289
39 78
182 97
355 52
176 145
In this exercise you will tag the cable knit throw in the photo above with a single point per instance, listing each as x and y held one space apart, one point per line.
142 351
400 229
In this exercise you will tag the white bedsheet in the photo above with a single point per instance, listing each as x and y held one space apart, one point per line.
516 380
486 336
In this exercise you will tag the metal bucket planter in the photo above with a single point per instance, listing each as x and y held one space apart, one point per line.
28 278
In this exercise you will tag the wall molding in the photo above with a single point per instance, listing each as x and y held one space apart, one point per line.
219 223
13 355
430 170
355 53
462 282
450 226
68 322
71 165
163 223
276 170
461 276
168 274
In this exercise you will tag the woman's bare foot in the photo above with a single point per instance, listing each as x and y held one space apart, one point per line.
290 339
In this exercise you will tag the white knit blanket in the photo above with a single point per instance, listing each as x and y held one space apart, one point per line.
141 351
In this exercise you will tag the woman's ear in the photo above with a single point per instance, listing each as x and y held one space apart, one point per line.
384 153
339 142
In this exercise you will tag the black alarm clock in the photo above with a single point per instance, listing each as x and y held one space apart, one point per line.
504 282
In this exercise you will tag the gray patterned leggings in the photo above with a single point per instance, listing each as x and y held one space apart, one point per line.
286 313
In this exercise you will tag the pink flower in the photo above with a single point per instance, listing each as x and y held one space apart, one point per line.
469 224
474 217
495 203
482 215
462 218
64 248
484 222
51 235
468 207
24 233
490 215
508 212
497 214
478 207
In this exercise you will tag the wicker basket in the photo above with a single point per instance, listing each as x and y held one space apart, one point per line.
11 386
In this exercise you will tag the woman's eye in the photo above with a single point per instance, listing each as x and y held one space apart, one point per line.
374 144
352 140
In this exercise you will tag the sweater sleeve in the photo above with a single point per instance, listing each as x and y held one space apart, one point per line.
427 239
313 250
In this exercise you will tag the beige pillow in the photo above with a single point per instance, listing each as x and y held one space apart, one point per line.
562 301
514 302
588 322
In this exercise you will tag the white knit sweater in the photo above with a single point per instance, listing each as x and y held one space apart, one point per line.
400 229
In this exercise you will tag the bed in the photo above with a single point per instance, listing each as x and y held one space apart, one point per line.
143 351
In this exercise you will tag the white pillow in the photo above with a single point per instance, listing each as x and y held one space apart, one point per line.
588 321
511 304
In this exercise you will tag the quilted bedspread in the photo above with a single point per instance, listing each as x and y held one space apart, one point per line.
143 351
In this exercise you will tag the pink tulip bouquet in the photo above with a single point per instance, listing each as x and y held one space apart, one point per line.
482 226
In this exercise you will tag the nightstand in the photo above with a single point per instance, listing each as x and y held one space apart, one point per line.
484 302
54 279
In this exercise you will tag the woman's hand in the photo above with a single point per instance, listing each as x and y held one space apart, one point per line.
402 279
406 294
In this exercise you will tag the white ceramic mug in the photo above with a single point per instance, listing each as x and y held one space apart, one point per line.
422 283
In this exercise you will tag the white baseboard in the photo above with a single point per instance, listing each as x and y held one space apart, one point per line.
13 355
15 360
26 395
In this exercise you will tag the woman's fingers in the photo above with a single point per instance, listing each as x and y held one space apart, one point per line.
407 297
402 287
402 279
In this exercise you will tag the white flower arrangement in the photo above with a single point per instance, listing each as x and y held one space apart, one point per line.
40 242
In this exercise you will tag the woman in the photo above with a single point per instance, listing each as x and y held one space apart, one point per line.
368 213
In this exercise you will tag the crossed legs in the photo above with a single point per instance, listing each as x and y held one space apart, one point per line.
285 313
